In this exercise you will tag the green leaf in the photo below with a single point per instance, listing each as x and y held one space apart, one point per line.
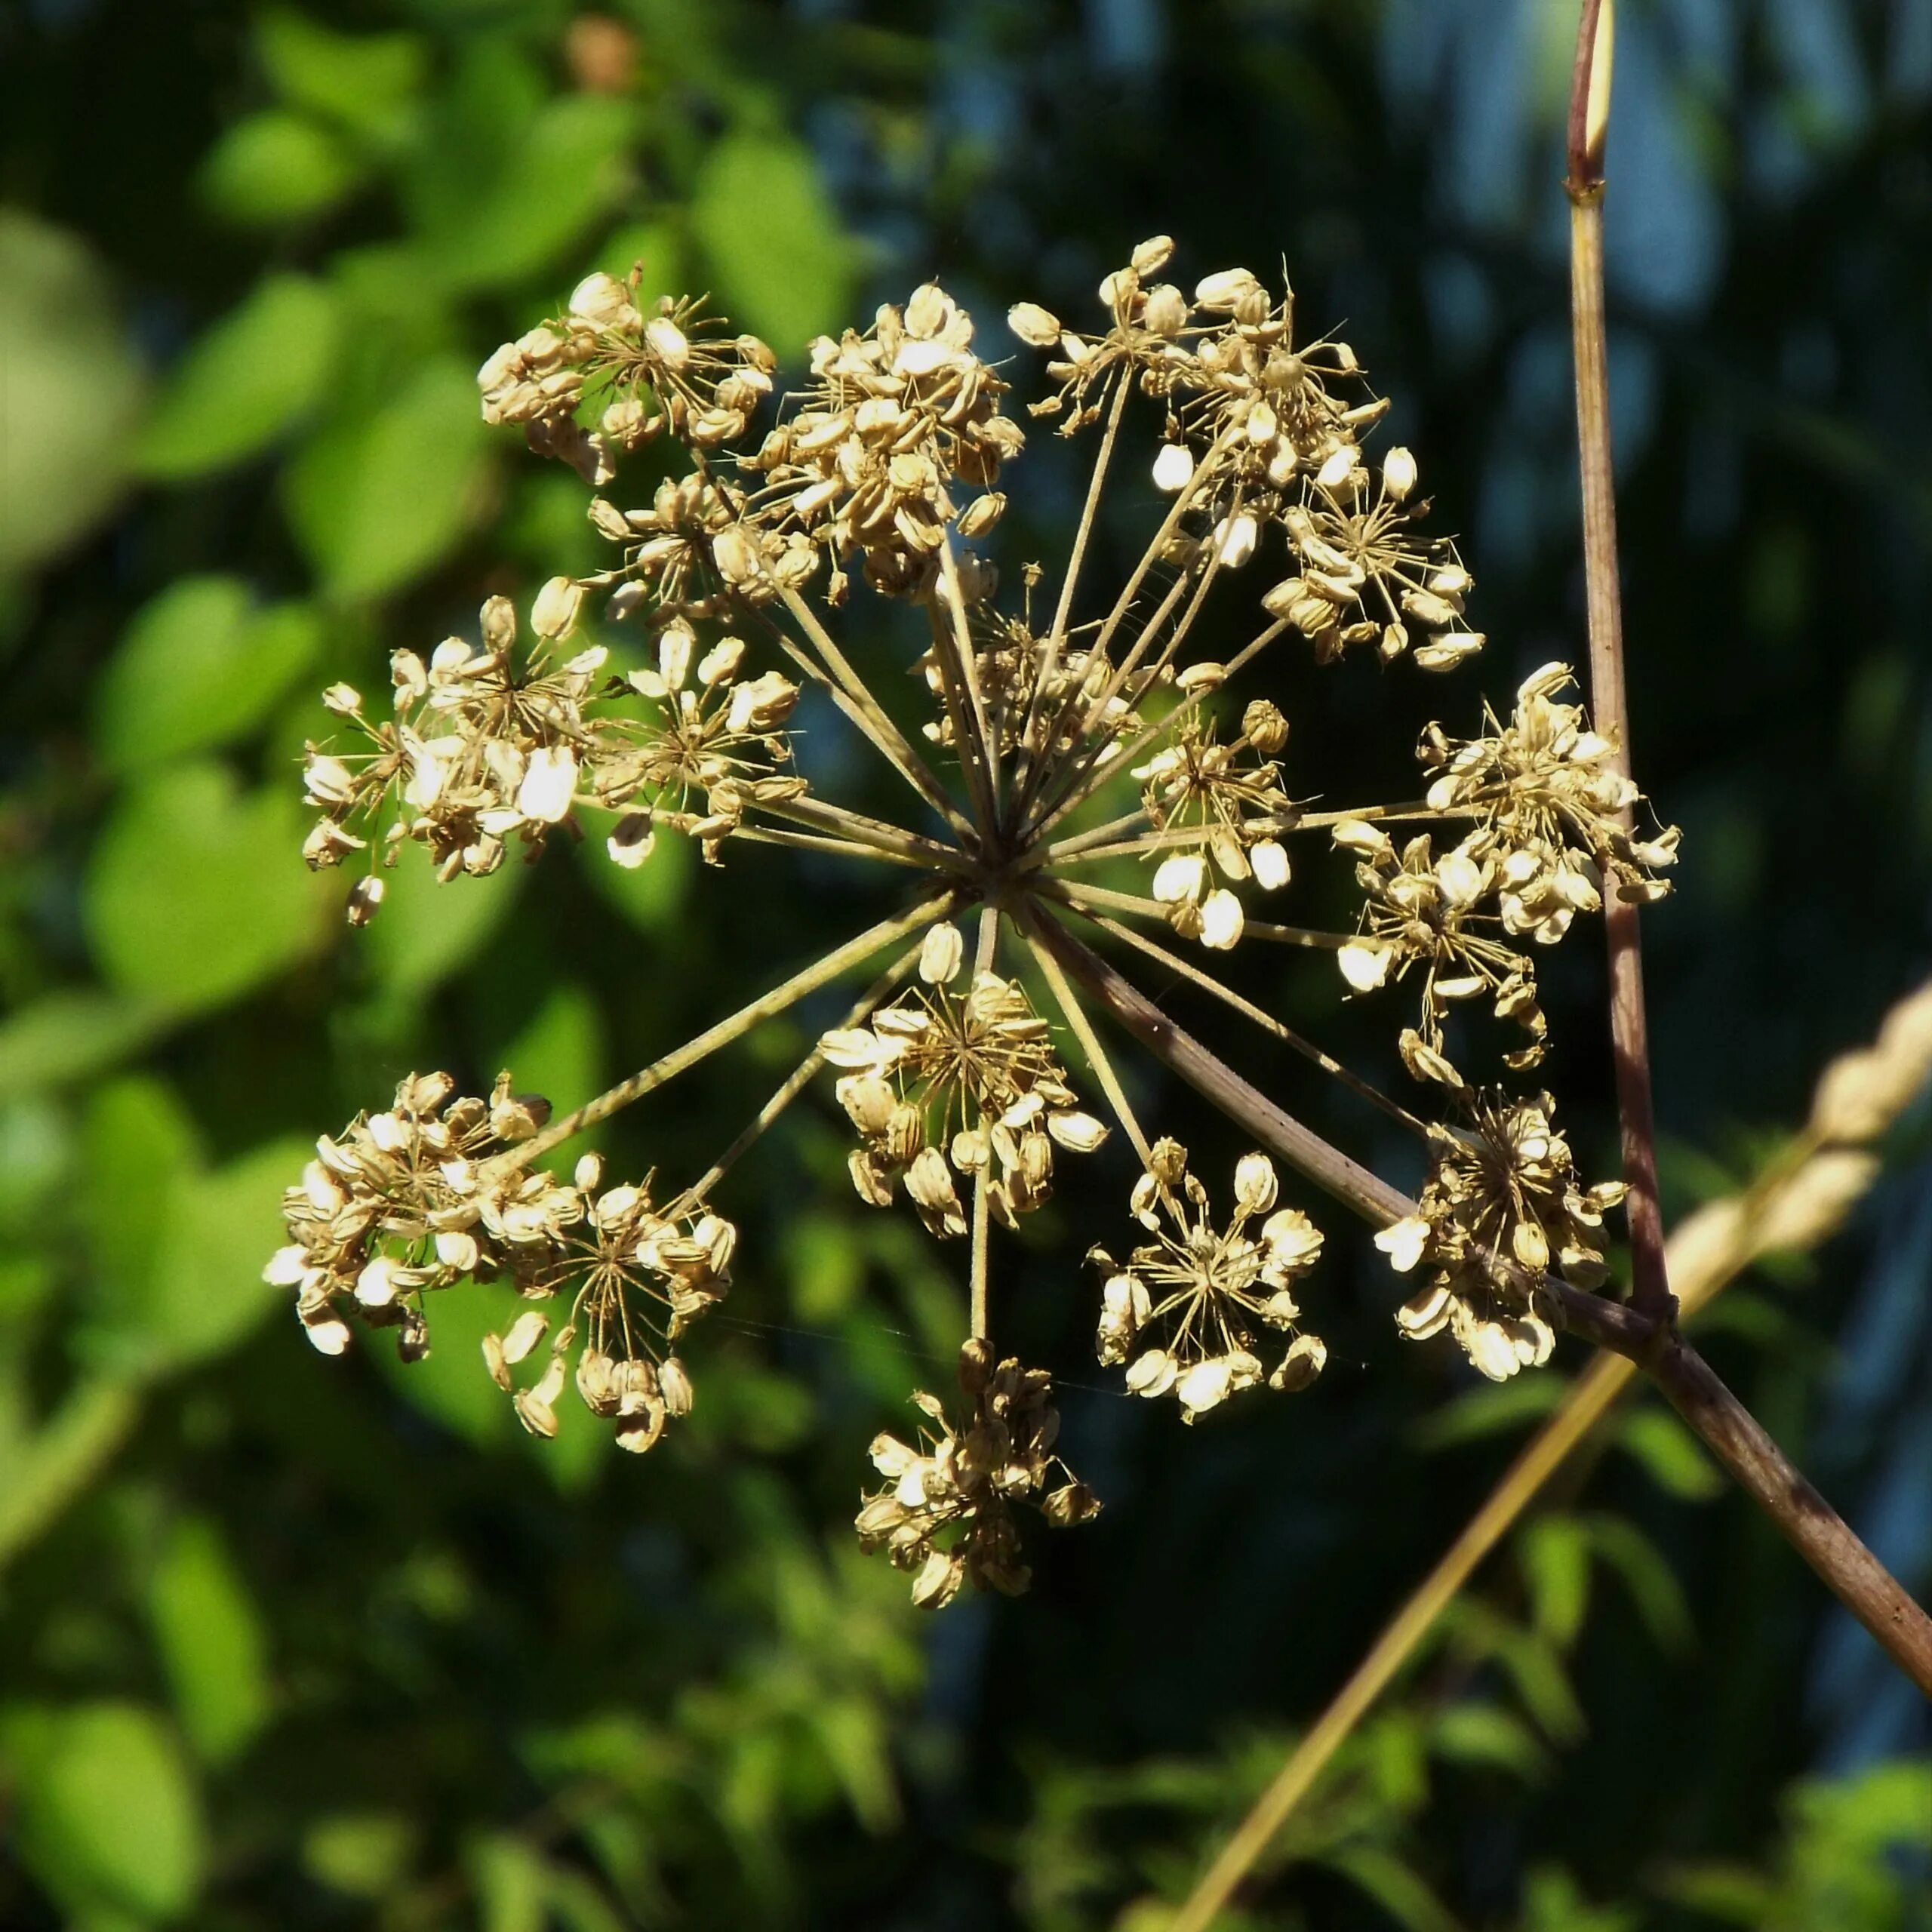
109 1817
276 168
1732 1893
140 1152
198 667
1672 1456
1554 1553
212 1647
509 1880
70 390
195 895
1653 1585
650 896
1480 1734
1400 1892
450 1383
56 1465
207 1293
1498 1410
72 1035
364 1854
559 1053
426 930
380 498
568 167
365 83
781 265
245 380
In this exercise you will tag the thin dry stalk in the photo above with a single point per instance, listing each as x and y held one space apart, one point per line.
1589 114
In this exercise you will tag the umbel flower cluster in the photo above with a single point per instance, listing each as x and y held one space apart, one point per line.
1092 784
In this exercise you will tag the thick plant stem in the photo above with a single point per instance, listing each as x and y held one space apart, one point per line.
1807 1522
1589 108
1802 1516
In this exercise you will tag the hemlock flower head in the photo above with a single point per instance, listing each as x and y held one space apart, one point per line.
1067 727
1187 1311
1502 1207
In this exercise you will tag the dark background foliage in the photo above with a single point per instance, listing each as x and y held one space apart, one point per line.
293 1643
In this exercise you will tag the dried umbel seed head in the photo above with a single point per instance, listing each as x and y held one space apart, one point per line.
1502 1207
407 1201
1185 1313
1094 730
946 1511
960 1088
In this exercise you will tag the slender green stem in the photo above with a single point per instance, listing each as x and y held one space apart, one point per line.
952 653
980 1317
844 848
1185 501
841 822
1063 610
795 1083
1165 839
879 731
1069 1004
1085 897
880 728
1207 982
767 1006
1125 760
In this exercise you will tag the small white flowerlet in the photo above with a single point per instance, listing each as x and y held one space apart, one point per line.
1364 964
941 954
1223 293
1493 1350
1235 537
1398 473
554 613
1151 1374
524 1334
1174 468
1221 920
1268 859
376 1285
1038 327
286 1268
1461 877
1203 1386
721 661
1358 834
1403 1242
667 341
602 300
1078 1133
550 784
1255 1183
1307 1356
1334 473
1179 877
329 1338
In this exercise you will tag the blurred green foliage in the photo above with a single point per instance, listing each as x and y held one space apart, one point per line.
293 1643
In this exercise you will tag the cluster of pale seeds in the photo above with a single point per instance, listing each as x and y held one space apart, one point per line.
1072 743
437 1191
